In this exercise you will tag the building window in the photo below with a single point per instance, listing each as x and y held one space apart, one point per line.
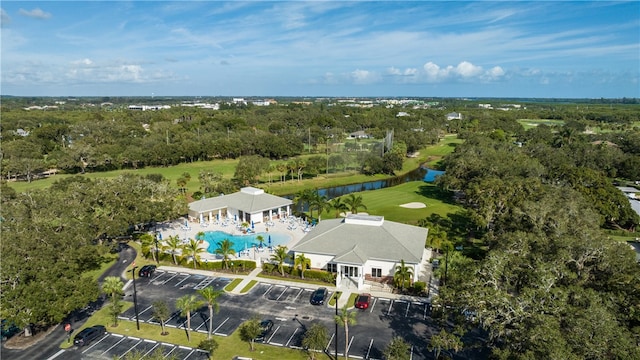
376 272
332 268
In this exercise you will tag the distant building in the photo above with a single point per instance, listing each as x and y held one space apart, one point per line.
454 116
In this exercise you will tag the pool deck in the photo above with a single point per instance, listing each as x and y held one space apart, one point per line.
177 228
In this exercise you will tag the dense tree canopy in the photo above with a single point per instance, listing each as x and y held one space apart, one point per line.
551 283
50 238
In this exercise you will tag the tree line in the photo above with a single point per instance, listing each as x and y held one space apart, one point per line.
77 139
550 283
51 238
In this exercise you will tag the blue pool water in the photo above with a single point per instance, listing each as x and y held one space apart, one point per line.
242 241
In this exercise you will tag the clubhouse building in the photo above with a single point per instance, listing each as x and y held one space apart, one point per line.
251 205
363 247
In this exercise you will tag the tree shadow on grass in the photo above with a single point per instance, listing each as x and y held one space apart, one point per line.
432 191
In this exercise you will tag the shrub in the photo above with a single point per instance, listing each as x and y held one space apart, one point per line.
209 346
419 287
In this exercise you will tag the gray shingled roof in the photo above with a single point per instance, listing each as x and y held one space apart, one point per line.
241 200
356 242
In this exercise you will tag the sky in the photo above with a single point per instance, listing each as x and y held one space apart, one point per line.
540 49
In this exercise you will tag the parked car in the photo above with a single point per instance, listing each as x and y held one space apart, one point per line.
362 301
266 326
147 270
435 263
86 336
319 296
8 329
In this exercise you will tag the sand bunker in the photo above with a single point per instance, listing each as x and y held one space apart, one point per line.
414 205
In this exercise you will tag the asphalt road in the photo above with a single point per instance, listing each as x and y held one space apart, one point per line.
49 346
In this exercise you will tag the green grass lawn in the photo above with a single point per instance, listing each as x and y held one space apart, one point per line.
387 202
531 123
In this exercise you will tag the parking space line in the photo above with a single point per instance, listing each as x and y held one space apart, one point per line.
143 311
282 293
204 283
169 279
266 292
153 348
183 280
272 334
406 313
97 342
133 347
329 343
292 335
390 305
369 349
203 323
219 326
350 342
297 296
374 304
112 346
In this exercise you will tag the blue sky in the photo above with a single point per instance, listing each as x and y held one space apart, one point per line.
321 48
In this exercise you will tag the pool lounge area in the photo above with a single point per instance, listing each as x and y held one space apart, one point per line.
284 231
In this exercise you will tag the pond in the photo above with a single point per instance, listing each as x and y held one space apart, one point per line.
421 173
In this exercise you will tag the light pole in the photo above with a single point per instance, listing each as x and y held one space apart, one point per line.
336 350
135 296
157 254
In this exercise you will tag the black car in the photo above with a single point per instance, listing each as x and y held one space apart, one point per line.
266 326
8 329
86 336
319 296
147 270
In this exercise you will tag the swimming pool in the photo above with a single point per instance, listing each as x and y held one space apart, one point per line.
240 242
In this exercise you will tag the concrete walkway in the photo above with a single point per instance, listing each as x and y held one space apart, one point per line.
253 275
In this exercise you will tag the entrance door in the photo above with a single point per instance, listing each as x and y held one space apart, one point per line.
350 271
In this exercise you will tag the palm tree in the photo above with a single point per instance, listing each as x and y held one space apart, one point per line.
172 245
193 250
210 296
225 248
354 203
281 254
147 242
186 305
303 197
112 286
402 274
339 206
319 203
303 262
346 318
260 239
200 235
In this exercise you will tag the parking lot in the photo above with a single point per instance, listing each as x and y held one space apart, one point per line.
113 346
286 305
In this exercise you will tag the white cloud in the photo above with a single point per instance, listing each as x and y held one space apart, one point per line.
467 69
5 19
36 13
435 73
86 62
363 76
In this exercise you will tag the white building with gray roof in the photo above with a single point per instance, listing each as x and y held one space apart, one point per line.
361 247
247 205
